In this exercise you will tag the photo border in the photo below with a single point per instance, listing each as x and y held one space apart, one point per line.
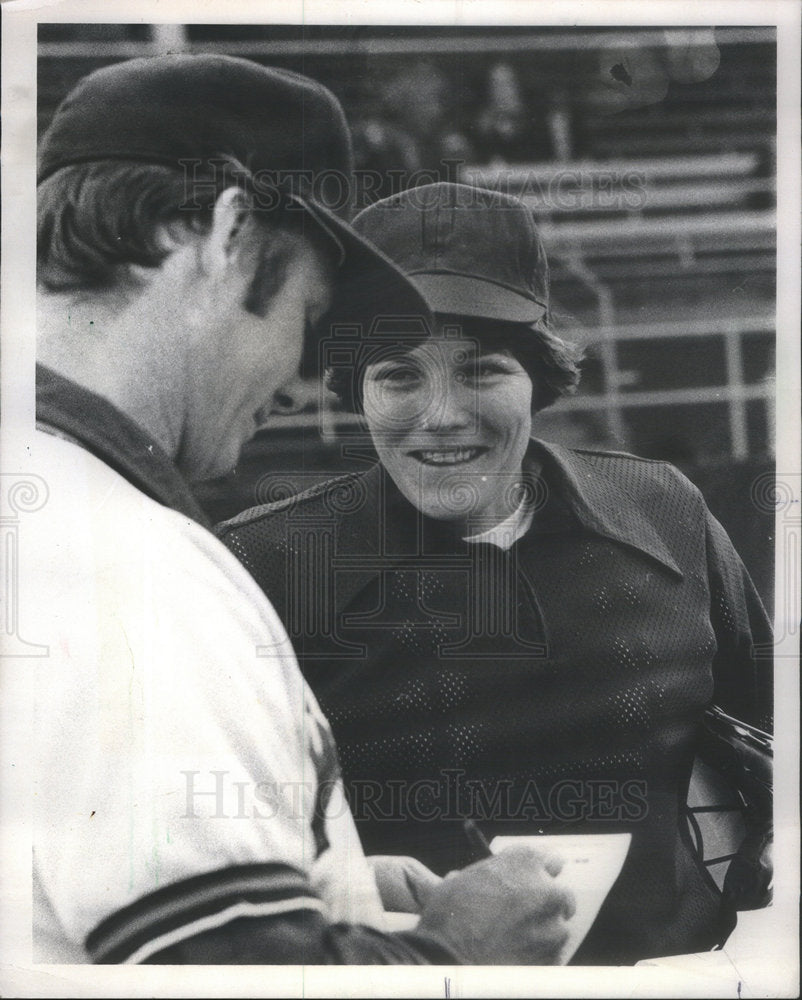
775 972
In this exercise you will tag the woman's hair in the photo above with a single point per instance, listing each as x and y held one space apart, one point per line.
551 362
95 219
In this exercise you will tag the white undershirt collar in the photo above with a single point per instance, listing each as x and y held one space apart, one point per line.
507 532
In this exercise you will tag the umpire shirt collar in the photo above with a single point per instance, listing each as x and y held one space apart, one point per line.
588 498
602 504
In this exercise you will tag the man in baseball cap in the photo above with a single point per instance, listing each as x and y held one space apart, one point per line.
223 121
187 799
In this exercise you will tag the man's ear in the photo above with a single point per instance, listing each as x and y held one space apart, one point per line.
229 216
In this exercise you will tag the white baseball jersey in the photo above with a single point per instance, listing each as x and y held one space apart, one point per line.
184 775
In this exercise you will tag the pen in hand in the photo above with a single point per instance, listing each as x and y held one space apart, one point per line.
476 840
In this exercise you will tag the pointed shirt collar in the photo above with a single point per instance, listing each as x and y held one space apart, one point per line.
595 499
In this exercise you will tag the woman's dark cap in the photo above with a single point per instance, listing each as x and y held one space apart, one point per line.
470 251
199 113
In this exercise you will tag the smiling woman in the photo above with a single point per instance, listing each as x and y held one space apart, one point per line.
500 628
451 411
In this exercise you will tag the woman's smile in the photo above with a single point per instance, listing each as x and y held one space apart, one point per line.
447 456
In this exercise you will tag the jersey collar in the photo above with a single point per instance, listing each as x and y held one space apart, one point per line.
596 500
96 425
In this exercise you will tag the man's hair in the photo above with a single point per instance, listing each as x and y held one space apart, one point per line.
551 362
95 219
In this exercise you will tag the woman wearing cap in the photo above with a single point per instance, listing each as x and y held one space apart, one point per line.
500 628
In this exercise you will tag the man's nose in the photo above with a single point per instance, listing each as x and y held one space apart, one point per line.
295 395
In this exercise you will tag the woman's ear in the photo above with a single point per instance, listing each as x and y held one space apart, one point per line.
229 216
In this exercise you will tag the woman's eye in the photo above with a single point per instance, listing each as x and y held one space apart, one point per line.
400 375
480 370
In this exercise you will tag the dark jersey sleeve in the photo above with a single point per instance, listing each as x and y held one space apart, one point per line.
304 938
743 664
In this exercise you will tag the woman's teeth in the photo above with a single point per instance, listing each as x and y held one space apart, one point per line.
452 457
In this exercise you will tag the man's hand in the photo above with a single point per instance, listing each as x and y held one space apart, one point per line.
404 883
505 910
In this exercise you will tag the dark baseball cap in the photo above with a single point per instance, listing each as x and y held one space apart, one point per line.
197 113
470 251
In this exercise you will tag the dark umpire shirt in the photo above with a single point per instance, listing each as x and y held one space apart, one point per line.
558 686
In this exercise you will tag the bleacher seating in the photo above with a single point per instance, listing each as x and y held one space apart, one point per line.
659 220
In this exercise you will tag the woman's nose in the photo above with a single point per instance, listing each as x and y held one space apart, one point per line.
452 406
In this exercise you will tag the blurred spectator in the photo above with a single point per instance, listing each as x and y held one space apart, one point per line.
408 127
501 125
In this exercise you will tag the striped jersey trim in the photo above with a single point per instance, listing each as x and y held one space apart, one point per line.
235 912
182 909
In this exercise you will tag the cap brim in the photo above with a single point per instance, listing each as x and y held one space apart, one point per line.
370 288
466 295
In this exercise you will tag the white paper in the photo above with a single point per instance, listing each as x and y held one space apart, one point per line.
395 921
591 864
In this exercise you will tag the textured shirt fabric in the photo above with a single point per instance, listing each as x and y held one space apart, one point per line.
185 780
555 686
